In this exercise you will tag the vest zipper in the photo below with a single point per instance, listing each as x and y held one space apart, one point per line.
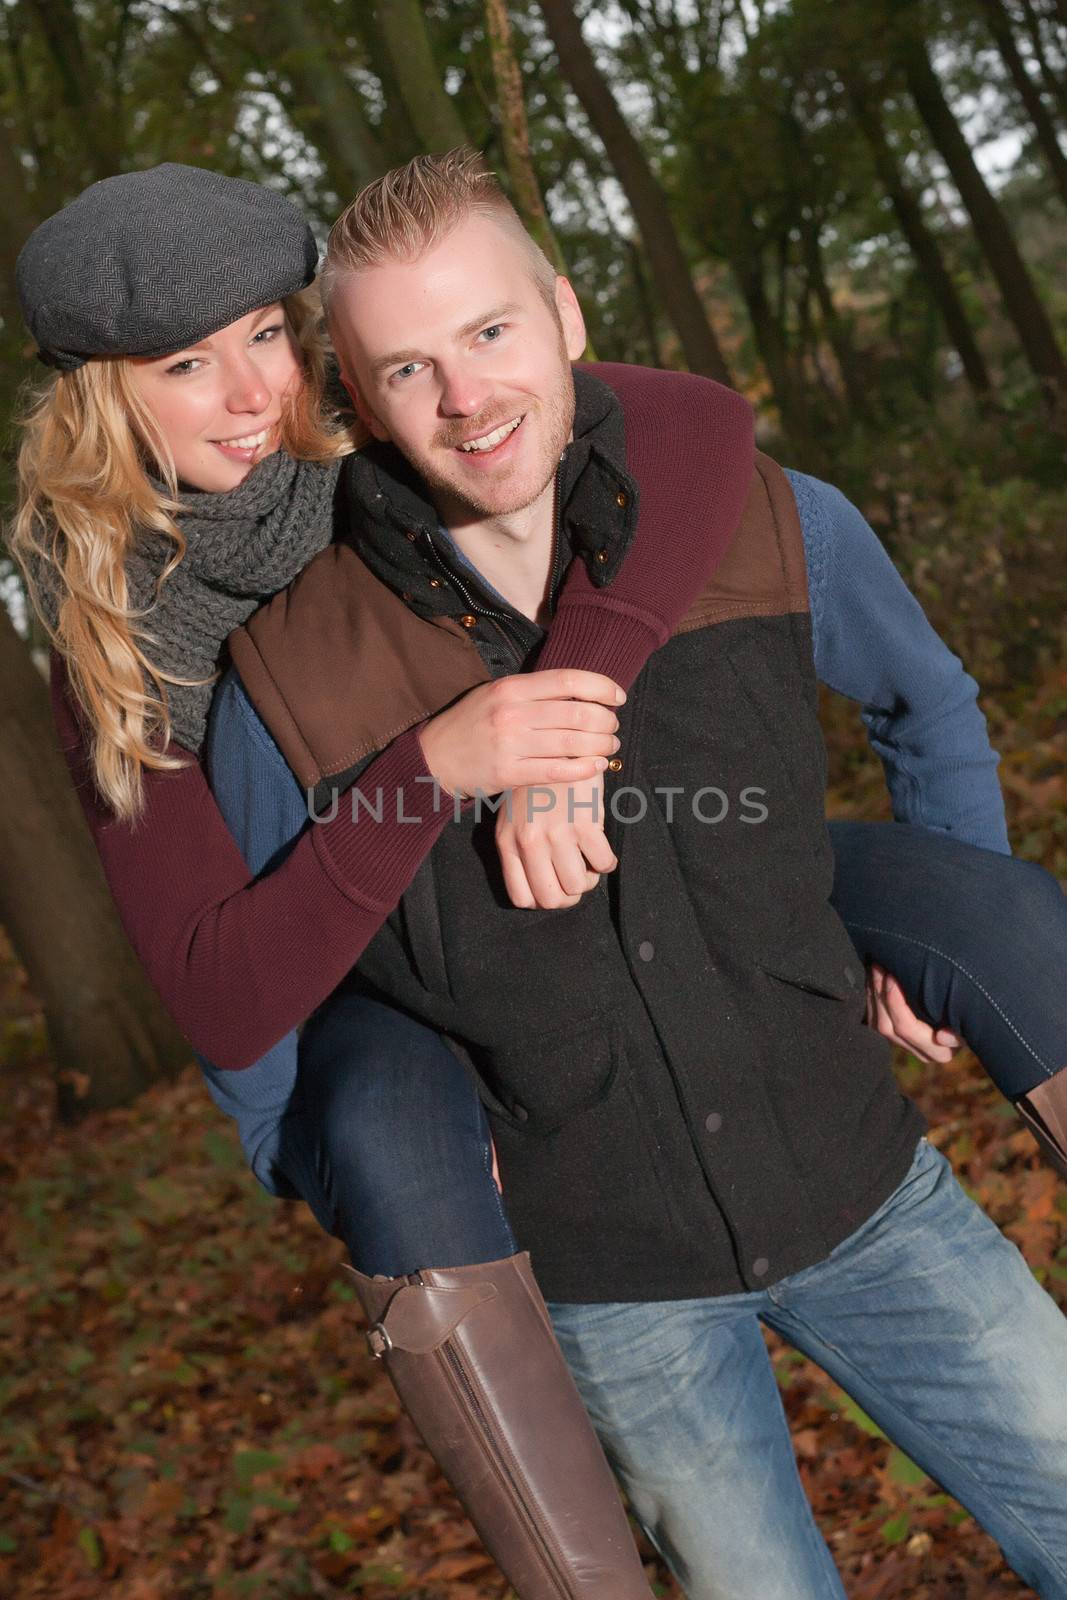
464 1381
503 623
556 543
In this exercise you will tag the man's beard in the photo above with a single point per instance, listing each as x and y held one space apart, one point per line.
556 416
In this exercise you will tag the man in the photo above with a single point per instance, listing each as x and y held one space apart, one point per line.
695 1131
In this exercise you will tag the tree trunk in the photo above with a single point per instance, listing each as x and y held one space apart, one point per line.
923 244
430 109
61 31
17 222
327 109
837 331
1029 93
1054 83
772 345
676 291
395 129
1018 292
810 359
23 104
646 309
108 1032
515 132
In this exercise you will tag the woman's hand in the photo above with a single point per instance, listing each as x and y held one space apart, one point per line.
528 728
553 854
890 1015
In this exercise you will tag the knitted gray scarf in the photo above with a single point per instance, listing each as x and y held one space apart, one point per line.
243 545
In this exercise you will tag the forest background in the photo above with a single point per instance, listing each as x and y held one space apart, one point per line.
855 211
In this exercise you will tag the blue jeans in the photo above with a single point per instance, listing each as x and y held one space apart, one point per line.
978 940
926 1315
387 1141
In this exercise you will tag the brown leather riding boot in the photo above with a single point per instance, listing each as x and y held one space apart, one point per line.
473 1357
1044 1110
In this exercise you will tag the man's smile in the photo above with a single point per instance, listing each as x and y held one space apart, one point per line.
487 443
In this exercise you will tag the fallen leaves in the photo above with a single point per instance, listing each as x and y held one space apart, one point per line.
187 1408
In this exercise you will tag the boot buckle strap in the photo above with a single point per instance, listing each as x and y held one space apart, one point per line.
378 1340
417 1317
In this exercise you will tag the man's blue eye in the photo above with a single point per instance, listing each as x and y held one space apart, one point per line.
492 332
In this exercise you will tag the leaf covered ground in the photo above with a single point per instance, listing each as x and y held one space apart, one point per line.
187 1410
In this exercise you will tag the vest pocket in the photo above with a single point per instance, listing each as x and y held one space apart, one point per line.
829 1089
835 972
541 1083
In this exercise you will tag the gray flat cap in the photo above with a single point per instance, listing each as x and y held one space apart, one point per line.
149 262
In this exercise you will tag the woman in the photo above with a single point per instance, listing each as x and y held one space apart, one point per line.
201 561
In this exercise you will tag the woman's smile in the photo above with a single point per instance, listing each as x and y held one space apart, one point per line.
250 446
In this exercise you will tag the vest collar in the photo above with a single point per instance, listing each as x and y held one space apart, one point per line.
392 524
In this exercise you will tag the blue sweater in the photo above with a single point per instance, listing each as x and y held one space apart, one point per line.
872 643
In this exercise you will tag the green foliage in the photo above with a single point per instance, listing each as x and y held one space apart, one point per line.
855 1413
903 1470
896 1529
746 114
89 1544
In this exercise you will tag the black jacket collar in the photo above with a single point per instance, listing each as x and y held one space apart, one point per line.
388 518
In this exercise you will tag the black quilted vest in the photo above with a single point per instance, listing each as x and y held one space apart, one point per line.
683 1095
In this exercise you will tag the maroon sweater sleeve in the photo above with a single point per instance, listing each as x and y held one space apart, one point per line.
240 961
614 630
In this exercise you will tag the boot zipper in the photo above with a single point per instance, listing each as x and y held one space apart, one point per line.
469 1388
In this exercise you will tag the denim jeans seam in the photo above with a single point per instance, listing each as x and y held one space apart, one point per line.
1008 1510
487 1162
907 938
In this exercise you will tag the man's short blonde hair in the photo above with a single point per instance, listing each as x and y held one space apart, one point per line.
412 208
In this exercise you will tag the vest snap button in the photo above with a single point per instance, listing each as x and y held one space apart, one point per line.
405 596
850 977
436 583
646 950
622 500
615 765
413 537
469 621
602 556
760 1267
520 1112
713 1122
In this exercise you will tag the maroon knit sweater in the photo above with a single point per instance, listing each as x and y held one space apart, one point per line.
239 962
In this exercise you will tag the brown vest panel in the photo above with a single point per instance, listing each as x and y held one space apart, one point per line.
338 666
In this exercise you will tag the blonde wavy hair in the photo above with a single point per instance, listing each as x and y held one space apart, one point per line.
83 495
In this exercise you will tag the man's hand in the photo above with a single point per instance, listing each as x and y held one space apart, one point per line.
528 728
889 1013
548 861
